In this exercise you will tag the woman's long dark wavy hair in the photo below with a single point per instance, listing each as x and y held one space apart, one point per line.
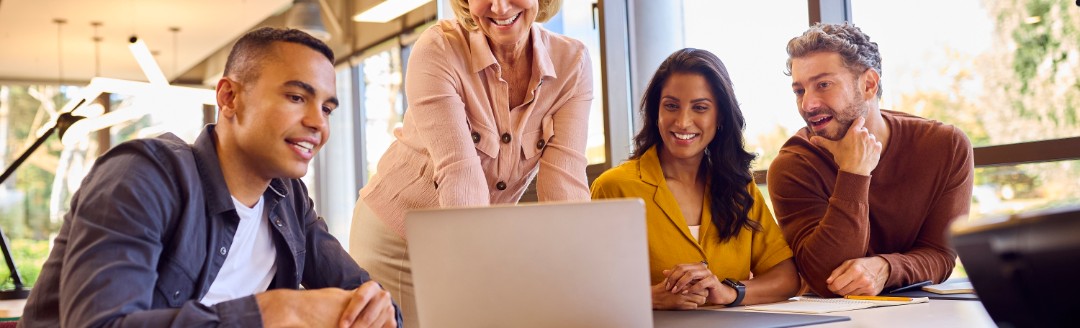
726 163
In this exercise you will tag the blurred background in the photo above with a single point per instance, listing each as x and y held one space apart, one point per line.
1003 71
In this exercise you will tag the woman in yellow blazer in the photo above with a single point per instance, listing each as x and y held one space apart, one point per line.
711 238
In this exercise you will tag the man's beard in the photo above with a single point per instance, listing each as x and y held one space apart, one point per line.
843 119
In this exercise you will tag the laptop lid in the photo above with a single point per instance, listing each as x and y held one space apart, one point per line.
538 265
711 318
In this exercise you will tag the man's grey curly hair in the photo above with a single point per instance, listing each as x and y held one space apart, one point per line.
854 46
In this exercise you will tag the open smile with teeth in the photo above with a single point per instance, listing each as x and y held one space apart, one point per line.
505 22
303 146
820 121
685 136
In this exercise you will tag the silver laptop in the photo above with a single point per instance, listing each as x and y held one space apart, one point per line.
539 265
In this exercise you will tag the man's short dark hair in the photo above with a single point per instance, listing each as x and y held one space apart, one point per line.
254 45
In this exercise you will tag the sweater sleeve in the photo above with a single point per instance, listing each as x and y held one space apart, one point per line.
824 230
931 258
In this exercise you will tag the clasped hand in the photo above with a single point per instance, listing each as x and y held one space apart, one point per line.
688 286
366 306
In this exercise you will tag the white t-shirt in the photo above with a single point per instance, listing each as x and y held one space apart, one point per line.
249 266
694 231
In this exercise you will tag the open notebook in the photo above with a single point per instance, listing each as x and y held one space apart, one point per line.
960 287
826 305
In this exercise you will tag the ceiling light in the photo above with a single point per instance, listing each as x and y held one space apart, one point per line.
305 15
146 61
388 10
161 95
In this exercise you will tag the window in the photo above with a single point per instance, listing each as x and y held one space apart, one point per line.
1009 75
332 176
752 48
383 104
25 215
577 20
34 200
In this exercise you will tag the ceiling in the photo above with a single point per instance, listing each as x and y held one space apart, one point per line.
30 42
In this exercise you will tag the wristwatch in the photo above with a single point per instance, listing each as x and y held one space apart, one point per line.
740 290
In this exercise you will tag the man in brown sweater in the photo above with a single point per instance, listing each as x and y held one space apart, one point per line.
864 195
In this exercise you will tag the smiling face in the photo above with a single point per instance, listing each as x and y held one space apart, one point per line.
688 117
829 96
278 121
504 22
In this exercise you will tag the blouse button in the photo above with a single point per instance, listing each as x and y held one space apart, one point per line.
176 294
475 137
223 251
506 138
540 144
278 223
501 185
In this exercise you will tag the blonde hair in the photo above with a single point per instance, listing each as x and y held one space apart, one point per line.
547 9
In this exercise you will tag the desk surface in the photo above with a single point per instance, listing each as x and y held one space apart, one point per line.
936 313
11 308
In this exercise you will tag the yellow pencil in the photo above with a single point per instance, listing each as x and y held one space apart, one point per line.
878 298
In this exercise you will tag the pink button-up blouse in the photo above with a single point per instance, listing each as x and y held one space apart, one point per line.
461 144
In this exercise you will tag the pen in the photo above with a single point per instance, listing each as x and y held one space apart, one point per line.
911 286
878 298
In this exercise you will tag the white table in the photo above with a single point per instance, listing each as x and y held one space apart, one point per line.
936 313
12 308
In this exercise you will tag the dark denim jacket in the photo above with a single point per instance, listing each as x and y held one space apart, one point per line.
150 228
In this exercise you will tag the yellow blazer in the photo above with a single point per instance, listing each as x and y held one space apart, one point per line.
670 241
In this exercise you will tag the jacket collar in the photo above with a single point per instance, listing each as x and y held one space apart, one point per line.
483 57
649 167
653 174
218 198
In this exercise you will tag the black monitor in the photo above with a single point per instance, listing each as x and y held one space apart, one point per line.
1026 267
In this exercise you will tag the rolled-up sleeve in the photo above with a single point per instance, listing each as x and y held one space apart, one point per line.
562 165
437 110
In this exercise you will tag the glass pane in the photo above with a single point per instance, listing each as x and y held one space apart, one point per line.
26 216
331 176
384 104
35 198
576 20
1009 75
1019 188
756 62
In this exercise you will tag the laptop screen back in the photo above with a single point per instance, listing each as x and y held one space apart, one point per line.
539 265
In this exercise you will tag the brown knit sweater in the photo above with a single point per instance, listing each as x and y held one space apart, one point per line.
900 212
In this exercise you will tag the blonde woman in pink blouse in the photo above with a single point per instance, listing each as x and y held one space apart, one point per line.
494 100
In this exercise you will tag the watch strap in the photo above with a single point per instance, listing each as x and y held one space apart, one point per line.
740 291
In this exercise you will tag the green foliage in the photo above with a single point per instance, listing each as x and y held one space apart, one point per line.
1036 68
1033 43
30 256
30 218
